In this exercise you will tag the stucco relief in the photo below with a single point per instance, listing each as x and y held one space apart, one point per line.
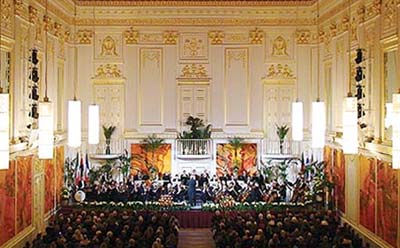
280 46
193 46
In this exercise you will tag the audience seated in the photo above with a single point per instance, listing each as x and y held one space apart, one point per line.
110 229
285 229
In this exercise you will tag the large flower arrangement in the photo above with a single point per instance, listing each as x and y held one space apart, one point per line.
226 201
166 201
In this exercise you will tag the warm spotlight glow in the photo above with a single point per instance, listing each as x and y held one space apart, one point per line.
350 129
74 123
297 121
46 130
318 124
94 124
4 131
396 132
389 115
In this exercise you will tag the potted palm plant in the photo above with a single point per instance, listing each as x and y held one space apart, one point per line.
152 144
281 131
108 132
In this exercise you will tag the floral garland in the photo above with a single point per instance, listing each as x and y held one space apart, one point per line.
134 205
254 206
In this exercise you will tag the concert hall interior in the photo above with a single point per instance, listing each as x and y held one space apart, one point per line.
204 123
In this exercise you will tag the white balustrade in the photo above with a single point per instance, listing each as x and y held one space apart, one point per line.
194 148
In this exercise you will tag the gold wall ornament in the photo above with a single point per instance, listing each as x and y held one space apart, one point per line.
151 38
389 13
131 36
256 36
354 27
108 71
216 37
84 36
236 38
150 55
38 31
57 29
279 47
194 71
108 47
6 14
170 37
235 55
33 14
192 47
345 23
47 23
18 7
333 28
280 71
361 11
303 36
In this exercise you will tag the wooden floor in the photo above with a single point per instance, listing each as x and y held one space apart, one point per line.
196 238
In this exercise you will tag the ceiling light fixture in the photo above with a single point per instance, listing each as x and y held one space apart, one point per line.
318 106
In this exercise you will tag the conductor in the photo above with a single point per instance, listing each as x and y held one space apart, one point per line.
192 190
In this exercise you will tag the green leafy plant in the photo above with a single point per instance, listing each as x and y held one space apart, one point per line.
152 144
197 129
281 131
108 131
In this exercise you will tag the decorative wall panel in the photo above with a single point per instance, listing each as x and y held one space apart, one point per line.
339 179
109 46
24 192
7 203
49 185
236 86
387 202
193 101
149 162
367 192
111 99
230 161
59 173
277 107
151 87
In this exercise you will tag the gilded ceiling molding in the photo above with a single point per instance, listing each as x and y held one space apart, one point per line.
303 36
197 3
170 37
216 37
256 36
131 36
193 22
33 14
6 14
84 36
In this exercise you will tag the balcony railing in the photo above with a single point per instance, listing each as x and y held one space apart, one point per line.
289 147
117 146
194 148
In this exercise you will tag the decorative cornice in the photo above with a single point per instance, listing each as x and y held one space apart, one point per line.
210 21
227 3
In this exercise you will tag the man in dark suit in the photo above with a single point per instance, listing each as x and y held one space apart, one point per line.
192 190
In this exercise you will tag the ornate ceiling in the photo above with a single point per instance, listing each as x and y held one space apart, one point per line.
194 3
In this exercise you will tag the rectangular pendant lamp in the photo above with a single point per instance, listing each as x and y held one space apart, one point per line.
350 129
46 130
318 124
297 121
